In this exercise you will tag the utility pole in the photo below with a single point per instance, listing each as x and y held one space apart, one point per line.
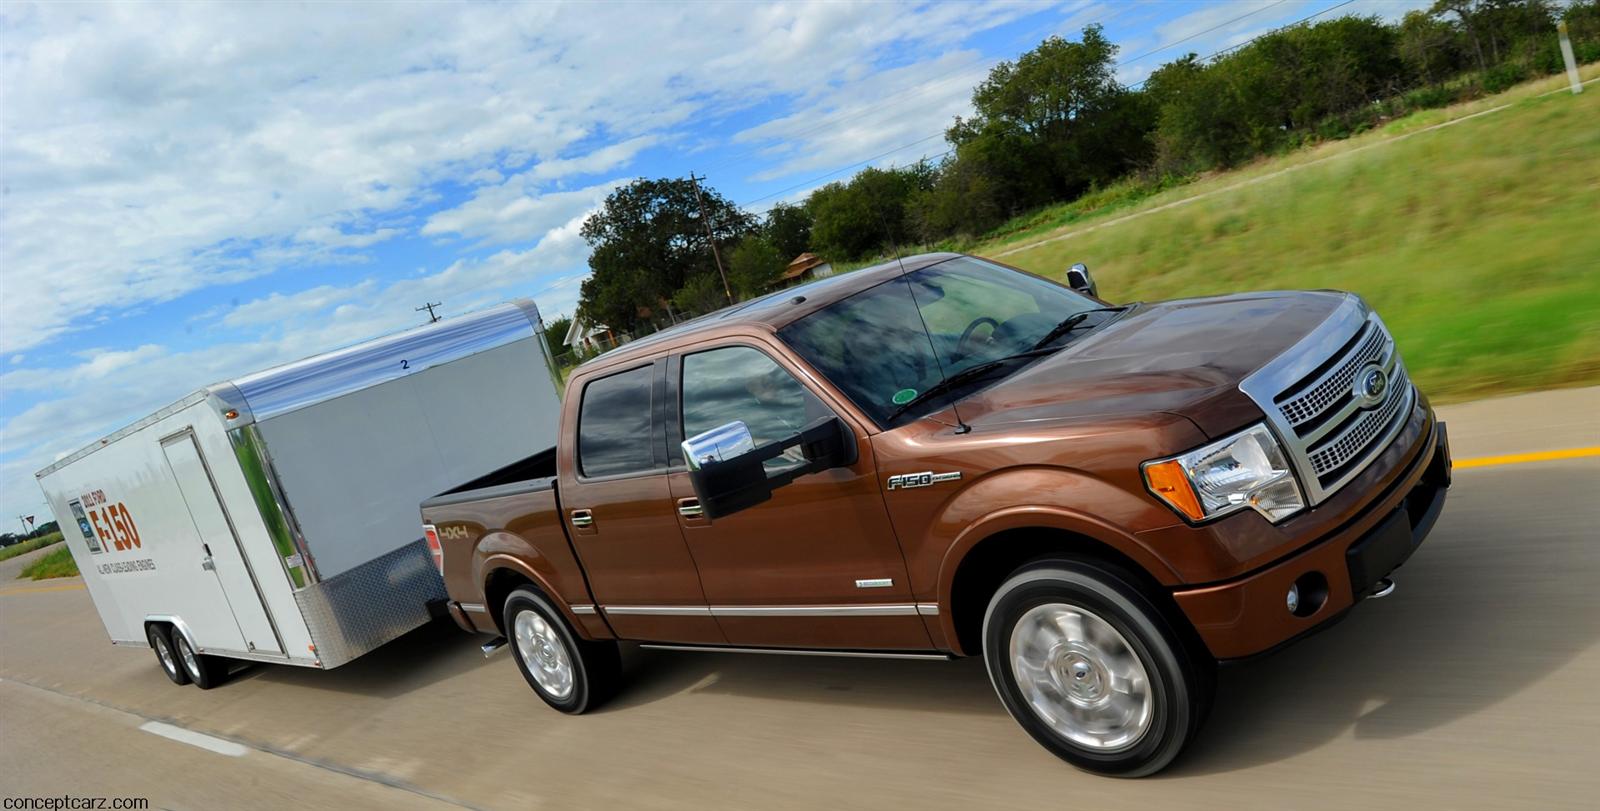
429 307
727 291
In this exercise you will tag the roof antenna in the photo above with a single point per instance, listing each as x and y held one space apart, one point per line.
961 426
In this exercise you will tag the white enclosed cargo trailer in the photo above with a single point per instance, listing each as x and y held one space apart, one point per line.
273 517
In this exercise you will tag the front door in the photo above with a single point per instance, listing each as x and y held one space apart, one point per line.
218 551
817 566
619 511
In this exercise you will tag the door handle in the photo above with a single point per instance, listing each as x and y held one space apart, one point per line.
690 508
208 565
582 519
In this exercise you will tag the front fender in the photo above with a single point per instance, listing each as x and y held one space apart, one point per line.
1036 497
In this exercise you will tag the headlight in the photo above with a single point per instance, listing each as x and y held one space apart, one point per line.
1247 469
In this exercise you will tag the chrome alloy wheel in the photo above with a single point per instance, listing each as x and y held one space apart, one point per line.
1080 676
164 653
190 663
544 654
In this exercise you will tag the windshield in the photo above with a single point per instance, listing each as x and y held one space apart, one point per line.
874 347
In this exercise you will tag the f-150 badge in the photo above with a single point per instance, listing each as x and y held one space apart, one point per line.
923 479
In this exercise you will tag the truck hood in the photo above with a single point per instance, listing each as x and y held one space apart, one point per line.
1184 357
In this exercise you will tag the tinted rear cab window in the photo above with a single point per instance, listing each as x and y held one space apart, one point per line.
615 434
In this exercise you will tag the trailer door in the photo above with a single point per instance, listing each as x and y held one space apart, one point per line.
219 545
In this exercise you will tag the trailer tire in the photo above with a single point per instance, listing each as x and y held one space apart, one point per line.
205 671
1089 665
570 674
160 638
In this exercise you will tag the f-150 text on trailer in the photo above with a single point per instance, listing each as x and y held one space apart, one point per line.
947 457
271 517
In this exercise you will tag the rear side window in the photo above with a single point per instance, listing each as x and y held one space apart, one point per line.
614 425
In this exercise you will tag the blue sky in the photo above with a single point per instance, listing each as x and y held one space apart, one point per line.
192 192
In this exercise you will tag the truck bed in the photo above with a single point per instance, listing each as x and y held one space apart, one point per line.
526 475
512 513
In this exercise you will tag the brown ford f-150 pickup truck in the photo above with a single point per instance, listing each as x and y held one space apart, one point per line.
947 457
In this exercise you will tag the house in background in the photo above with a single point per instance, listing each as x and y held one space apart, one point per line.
588 337
802 269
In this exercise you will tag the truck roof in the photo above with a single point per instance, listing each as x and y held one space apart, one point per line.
772 311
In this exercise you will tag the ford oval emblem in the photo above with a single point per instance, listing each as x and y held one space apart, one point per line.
1371 383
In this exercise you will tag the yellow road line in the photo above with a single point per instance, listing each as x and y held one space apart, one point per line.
26 590
1523 458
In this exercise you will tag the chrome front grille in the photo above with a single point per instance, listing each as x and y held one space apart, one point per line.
1313 396
1334 386
1337 451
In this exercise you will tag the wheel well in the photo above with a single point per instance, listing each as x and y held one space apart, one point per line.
988 564
499 586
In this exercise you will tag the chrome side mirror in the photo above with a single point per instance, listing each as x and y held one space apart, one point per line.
1078 279
720 444
727 470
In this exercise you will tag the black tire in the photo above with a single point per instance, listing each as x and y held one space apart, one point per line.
160 638
593 670
1148 726
205 671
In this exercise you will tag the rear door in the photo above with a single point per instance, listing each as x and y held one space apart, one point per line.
620 514
817 566
216 550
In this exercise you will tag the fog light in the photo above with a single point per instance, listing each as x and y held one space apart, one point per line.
1294 598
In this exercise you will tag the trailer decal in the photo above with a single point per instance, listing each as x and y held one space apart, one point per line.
113 524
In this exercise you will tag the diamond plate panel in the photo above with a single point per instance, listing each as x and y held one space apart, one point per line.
371 604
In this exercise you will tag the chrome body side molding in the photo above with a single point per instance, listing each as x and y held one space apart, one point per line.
851 654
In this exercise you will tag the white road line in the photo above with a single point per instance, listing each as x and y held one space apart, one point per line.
198 739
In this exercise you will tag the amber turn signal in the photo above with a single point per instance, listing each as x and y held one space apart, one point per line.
1167 480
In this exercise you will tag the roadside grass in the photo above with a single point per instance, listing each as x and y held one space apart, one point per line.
58 563
28 546
1479 243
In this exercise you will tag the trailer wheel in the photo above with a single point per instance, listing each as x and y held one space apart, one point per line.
1090 666
205 671
161 642
570 674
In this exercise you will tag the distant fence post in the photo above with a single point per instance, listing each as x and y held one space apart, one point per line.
1572 62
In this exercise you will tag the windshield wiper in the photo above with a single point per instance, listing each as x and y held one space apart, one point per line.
1071 323
966 375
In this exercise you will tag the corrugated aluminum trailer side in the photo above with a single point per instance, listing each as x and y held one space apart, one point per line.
295 490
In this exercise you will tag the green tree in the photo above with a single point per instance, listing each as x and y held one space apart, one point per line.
753 265
555 333
700 295
855 219
649 241
788 229
1055 122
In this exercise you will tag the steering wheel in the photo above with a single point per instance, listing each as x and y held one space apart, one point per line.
966 335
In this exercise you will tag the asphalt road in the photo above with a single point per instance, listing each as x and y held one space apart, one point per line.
1476 685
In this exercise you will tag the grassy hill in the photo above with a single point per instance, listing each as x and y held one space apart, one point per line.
1478 242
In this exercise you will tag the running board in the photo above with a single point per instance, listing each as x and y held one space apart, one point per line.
493 646
852 654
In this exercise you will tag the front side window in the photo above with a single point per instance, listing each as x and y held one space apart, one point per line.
886 345
742 384
614 425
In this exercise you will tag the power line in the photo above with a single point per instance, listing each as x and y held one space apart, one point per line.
1200 34
1216 54
881 155
893 100
827 175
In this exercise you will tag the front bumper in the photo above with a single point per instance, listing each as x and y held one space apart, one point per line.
1249 615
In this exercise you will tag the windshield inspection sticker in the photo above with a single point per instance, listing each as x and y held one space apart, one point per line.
904 396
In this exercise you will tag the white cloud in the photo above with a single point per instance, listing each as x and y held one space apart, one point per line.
153 151
515 211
